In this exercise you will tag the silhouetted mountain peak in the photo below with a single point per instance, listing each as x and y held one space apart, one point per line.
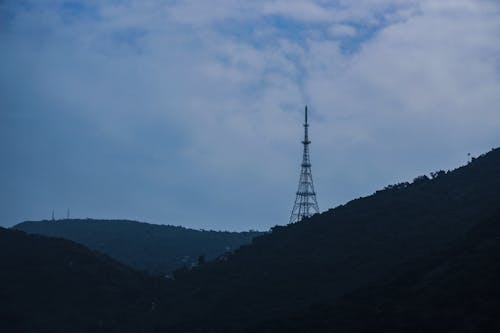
152 247
352 246
413 257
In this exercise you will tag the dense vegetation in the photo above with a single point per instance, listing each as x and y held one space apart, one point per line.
331 254
456 290
55 285
419 257
151 247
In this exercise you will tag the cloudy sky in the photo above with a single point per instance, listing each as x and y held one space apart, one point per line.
189 112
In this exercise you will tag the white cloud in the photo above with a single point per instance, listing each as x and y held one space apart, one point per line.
299 10
342 30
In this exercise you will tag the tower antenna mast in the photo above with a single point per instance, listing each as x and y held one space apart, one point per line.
305 201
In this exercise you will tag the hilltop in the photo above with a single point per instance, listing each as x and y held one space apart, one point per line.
351 247
151 247
413 257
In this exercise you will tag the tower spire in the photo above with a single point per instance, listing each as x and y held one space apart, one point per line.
305 201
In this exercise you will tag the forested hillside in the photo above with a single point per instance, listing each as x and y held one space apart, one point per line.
414 257
151 247
56 285
456 290
353 246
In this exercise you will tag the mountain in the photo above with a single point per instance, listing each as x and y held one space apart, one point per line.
414 257
351 247
150 247
55 285
453 291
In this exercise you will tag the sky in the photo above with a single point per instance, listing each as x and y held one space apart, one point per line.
190 112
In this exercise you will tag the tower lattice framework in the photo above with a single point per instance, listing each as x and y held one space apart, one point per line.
305 200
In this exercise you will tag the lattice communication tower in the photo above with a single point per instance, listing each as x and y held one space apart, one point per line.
305 201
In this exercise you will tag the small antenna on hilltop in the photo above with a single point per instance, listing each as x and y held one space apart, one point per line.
468 158
67 214
53 218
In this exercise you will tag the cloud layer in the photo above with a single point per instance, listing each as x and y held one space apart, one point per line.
189 112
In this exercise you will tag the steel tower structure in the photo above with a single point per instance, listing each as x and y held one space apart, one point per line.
305 201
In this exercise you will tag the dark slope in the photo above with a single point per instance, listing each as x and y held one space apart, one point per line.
416 258
55 285
337 252
151 247
453 291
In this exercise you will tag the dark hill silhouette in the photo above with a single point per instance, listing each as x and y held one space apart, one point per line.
453 291
420 257
331 254
56 285
151 247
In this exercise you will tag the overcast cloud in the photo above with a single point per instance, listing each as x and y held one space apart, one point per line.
190 112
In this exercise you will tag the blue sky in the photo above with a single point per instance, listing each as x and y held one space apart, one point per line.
189 112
